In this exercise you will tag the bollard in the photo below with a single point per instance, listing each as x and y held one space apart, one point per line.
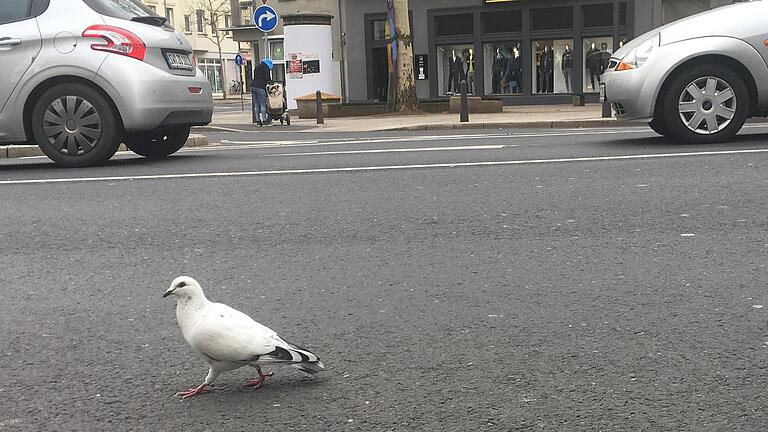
319 107
607 111
464 110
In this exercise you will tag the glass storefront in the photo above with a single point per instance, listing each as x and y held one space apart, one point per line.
503 71
455 63
597 53
526 49
552 66
211 68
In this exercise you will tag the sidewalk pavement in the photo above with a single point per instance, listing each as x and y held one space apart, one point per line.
534 116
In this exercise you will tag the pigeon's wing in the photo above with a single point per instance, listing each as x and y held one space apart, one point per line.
227 335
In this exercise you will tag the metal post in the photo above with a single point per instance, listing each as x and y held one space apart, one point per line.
319 107
464 112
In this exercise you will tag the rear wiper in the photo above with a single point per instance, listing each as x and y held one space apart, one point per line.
151 20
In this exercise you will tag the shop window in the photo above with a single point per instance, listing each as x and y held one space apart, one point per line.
557 18
597 53
503 21
599 15
454 64
379 30
623 13
454 25
503 67
552 67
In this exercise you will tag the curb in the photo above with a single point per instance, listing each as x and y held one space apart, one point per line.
568 124
20 151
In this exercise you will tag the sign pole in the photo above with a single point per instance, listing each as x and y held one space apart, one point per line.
242 90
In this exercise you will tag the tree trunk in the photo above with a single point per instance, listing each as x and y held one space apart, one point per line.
405 93
223 75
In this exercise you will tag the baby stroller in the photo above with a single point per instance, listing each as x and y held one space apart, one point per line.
276 102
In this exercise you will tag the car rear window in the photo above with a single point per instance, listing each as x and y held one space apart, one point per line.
13 10
123 9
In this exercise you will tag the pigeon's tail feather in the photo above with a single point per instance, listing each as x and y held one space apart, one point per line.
296 356
310 363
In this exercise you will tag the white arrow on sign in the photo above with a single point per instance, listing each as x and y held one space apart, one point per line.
265 16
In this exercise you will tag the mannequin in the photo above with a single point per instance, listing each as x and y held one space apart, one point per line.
497 69
592 63
546 70
567 65
513 74
469 56
605 57
455 73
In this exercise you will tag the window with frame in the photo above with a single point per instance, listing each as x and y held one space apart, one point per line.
597 15
454 25
13 10
503 21
554 18
200 15
187 24
169 15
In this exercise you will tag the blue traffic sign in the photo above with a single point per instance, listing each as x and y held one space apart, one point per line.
239 60
265 18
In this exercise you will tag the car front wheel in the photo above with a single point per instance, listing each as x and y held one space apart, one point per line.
158 144
706 103
76 126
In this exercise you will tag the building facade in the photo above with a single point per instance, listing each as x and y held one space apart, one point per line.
522 51
190 18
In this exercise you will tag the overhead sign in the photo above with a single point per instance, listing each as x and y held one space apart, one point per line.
265 18
239 60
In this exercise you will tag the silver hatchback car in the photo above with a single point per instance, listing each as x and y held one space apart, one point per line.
697 79
81 76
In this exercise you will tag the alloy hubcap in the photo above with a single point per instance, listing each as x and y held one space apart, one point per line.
72 125
707 105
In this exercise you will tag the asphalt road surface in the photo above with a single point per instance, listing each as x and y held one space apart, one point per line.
537 280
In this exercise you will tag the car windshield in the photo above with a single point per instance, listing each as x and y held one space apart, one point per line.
123 9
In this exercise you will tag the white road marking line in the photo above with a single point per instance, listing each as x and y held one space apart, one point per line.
380 168
394 150
221 128
229 145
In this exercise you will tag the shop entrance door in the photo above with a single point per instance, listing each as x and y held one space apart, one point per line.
380 74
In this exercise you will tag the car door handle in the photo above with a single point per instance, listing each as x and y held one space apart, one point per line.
9 42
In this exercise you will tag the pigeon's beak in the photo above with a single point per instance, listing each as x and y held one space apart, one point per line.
167 293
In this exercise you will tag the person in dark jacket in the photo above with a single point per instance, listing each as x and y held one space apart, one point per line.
261 74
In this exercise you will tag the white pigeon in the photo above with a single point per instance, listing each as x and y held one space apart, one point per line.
229 339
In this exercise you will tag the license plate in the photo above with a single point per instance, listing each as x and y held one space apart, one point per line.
178 61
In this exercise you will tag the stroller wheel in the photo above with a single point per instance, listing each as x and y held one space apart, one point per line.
281 120
288 120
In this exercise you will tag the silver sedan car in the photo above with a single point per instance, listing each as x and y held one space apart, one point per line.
81 76
698 79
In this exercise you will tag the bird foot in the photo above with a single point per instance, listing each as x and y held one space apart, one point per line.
257 382
194 391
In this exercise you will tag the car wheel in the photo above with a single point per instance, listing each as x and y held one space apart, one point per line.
658 126
705 104
76 126
158 144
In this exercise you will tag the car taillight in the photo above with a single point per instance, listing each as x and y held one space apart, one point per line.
118 41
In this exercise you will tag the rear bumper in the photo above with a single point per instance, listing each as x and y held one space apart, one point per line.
149 98
188 117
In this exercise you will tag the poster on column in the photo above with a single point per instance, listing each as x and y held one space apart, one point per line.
295 65
311 64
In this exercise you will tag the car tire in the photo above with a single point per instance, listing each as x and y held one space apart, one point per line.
158 144
658 126
704 98
76 126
